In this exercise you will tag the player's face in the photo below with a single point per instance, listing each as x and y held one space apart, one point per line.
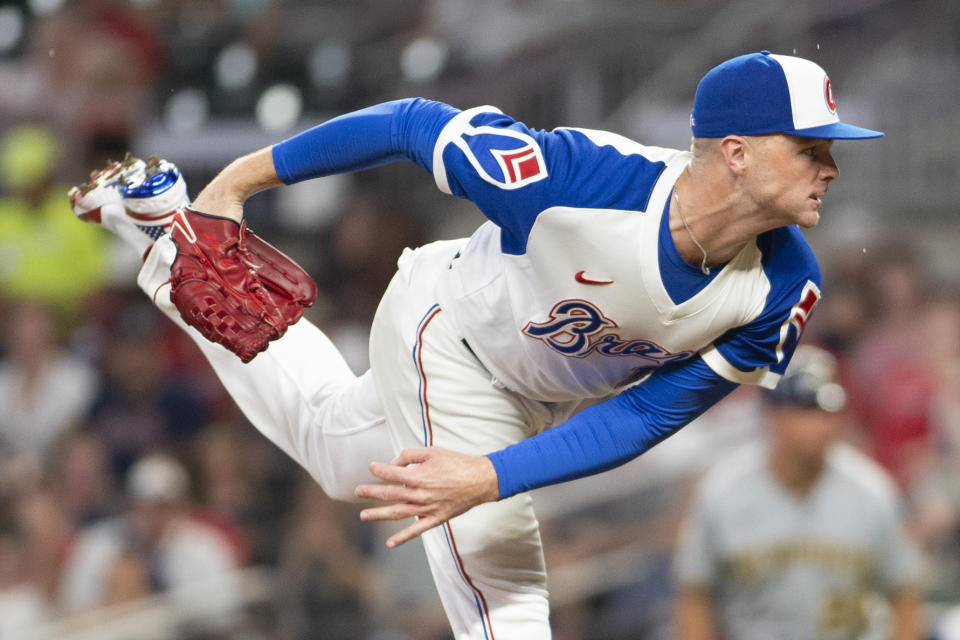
806 433
790 176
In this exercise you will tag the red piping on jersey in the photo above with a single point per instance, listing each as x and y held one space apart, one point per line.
422 392
463 572
428 429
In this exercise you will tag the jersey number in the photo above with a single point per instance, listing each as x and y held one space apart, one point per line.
799 315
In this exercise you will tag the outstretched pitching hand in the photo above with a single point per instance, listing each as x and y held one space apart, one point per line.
431 484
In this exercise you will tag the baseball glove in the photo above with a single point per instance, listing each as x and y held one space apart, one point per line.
235 288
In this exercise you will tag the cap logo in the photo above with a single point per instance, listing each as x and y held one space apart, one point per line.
828 95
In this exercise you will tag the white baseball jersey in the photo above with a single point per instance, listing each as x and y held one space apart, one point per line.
574 288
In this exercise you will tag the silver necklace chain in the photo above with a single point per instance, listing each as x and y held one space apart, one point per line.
703 263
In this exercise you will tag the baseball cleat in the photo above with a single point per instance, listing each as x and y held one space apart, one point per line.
152 194
102 189
135 199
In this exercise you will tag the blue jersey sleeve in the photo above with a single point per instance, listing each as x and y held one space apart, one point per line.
613 432
513 173
399 130
758 353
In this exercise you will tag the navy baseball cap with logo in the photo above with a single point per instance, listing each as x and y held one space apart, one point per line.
761 93
811 381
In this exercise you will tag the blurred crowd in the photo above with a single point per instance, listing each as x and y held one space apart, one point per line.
126 471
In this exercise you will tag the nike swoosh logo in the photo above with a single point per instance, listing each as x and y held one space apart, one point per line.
582 279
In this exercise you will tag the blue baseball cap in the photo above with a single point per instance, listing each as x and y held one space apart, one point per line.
762 93
811 381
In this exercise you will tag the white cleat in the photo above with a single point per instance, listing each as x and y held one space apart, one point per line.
152 194
134 199
102 189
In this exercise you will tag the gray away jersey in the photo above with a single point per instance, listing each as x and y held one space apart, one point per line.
791 568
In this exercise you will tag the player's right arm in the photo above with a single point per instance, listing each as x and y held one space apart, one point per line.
612 432
435 485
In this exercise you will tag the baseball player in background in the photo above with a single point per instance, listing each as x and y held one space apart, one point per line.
603 263
789 539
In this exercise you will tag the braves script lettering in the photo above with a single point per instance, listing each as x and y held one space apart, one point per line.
577 328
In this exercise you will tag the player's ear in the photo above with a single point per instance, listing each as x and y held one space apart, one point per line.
735 151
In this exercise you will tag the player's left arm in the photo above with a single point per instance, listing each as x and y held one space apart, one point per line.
434 484
508 170
392 131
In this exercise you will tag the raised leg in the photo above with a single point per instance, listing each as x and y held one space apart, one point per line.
299 393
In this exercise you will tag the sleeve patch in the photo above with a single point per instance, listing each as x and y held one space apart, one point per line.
793 326
503 157
788 334
521 166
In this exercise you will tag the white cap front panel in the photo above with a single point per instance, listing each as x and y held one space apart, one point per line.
811 95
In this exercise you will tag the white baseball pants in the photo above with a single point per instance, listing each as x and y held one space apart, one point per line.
424 387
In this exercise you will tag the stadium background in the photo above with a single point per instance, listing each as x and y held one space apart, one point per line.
92 379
